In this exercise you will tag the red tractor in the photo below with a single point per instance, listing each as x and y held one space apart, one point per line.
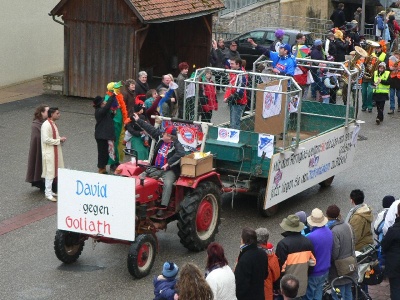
195 203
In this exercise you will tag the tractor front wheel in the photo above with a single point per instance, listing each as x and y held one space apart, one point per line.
68 246
199 216
142 254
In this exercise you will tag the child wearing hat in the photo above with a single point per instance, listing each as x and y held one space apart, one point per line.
381 90
164 284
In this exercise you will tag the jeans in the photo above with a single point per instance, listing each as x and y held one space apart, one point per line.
315 287
394 288
168 179
366 95
236 112
345 291
394 92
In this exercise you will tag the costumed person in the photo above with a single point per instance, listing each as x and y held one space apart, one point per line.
165 284
135 138
283 62
341 46
210 102
34 171
52 157
166 159
381 92
129 94
104 131
118 108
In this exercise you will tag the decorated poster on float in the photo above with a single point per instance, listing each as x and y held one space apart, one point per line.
96 204
320 158
272 102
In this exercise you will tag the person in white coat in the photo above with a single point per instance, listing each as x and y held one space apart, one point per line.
219 275
52 157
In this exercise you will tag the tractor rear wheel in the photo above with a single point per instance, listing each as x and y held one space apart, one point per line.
142 254
200 216
269 212
68 246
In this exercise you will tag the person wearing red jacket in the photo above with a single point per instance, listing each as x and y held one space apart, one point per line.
209 102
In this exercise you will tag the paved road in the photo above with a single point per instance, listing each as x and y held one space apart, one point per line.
29 268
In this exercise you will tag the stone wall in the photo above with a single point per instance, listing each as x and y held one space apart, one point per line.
53 83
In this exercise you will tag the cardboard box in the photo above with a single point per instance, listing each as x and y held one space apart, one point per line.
192 167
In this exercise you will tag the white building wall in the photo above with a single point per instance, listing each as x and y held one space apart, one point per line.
32 44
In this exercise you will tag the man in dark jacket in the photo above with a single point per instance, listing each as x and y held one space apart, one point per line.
251 269
391 247
167 156
104 130
295 252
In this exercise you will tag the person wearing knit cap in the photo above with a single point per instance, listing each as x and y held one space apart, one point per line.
279 33
343 247
164 284
274 271
303 219
381 92
322 240
295 252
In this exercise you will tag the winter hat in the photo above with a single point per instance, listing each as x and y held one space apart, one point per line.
97 101
117 85
170 130
279 33
317 42
286 47
302 216
317 218
333 212
110 86
292 223
138 107
170 269
382 64
387 201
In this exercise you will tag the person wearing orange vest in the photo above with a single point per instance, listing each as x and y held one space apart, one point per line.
381 92
394 68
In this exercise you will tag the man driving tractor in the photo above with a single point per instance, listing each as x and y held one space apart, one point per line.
168 152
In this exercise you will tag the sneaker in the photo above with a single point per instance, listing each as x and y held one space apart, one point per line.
363 109
378 121
54 194
391 112
51 198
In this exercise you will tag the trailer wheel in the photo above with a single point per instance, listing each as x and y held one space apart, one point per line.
68 246
199 216
327 182
142 254
269 212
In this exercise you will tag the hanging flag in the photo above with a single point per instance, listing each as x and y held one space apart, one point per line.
272 102
265 144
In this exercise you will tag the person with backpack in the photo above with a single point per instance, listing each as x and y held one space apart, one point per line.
387 201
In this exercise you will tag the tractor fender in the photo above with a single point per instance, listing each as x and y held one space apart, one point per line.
193 182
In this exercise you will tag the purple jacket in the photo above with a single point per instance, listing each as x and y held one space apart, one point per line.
164 289
322 239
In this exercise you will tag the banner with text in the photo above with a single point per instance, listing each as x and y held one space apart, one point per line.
314 161
94 204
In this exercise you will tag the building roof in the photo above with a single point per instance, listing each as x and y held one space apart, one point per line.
158 11
171 10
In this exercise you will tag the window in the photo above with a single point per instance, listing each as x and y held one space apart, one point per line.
257 37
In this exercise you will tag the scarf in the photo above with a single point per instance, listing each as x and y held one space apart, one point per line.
53 129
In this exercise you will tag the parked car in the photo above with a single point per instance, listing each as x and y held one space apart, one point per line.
264 36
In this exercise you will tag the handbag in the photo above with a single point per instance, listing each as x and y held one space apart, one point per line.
346 266
374 274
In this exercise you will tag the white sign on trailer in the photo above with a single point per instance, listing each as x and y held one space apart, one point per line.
96 204
320 158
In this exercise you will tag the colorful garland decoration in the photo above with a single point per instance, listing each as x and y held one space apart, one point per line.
121 102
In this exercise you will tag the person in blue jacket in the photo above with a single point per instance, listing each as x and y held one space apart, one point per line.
283 62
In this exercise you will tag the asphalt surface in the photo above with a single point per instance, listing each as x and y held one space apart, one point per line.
29 268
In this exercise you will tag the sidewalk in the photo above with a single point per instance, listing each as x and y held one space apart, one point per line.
380 291
21 91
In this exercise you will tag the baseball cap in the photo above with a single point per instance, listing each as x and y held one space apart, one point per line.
286 47
170 130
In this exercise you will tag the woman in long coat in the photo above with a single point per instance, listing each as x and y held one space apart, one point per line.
34 171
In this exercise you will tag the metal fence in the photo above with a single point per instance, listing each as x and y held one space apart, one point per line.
301 117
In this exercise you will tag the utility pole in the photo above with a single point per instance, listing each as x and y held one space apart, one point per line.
362 25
